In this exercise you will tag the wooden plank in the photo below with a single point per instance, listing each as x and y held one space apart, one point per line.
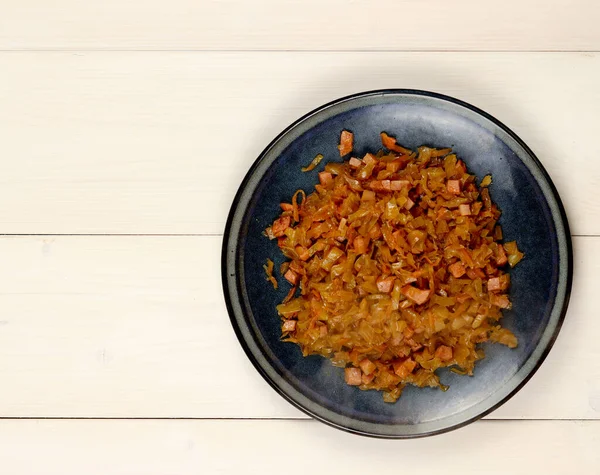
117 143
302 25
97 447
137 327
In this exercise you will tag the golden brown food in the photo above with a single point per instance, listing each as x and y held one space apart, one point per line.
395 264
268 267
314 163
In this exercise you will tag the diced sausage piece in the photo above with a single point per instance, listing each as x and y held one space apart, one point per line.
325 178
288 326
323 330
355 162
457 269
367 366
353 376
291 277
453 186
385 285
444 353
501 258
345 146
409 203
380 185
464 210
494 285
501 301
410 364
376 185
280 225
404 368
416 295
397 185
400 369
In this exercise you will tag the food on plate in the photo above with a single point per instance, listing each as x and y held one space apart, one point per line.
346 143
268 267
314 163
395 266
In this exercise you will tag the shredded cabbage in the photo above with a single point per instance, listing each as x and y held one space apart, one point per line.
400 268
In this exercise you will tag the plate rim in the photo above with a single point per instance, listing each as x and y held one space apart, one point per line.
225 250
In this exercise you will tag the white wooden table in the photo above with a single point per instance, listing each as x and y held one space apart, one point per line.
125 129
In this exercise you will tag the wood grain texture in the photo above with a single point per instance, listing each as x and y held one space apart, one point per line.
301 25
137 327
104 139
152 143
255 447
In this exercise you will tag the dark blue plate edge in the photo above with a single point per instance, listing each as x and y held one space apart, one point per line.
563 217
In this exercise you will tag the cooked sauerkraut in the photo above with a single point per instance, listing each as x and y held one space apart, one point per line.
396 267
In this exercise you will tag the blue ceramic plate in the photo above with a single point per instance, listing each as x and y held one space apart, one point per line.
532 214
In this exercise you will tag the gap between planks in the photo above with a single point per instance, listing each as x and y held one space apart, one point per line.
267 51
305 419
